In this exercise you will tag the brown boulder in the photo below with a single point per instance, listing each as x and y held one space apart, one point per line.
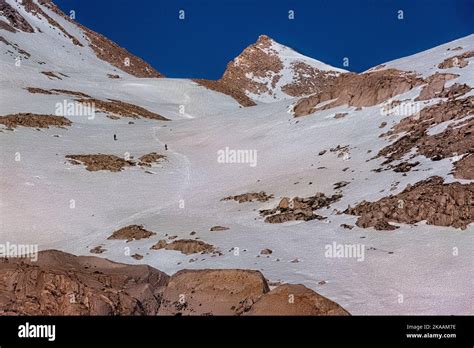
132 232
216 292
289 299
64 284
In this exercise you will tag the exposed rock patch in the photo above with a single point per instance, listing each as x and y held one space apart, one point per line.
132 232
460 61
14 46
431 200
266 251
97 250
340 184
186 246
218 228
36 90
347 226
150 158
121 109
101 162
359 90
52 75
307 80
34 121
299 208
228 89
249 197
36 10
14 18
455 139
114 163
340 115
404 167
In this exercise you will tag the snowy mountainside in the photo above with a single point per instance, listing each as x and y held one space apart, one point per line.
305 170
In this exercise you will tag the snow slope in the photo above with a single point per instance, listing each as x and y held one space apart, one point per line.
412 270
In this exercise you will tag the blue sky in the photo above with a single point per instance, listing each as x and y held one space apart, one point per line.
213 32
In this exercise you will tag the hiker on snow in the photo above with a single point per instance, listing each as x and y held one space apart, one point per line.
166 147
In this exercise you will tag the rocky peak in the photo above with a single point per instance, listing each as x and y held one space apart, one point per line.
268 71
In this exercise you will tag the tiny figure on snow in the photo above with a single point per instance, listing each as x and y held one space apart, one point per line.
115 137
166 147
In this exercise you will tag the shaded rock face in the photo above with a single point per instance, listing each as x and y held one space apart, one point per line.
259 69
63 284
359 90
456 139
299 208
431 200
34 121
289 299
249 197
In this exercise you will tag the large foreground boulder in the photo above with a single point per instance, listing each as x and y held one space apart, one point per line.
63 284
291 299
217 292
57 283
